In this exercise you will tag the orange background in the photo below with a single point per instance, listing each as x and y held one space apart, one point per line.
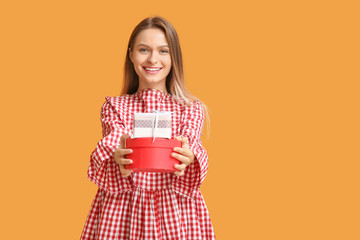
280 79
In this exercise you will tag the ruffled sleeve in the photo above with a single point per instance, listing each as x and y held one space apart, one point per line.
195 173
103 170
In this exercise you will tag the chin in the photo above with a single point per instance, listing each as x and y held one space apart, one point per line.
152 80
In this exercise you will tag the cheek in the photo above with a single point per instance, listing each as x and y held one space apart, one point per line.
138 59
168 62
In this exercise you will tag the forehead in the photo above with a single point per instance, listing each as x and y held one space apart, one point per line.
152 37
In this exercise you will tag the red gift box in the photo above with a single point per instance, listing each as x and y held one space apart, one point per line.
149 156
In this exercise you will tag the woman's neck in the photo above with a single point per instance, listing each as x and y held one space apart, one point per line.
159 86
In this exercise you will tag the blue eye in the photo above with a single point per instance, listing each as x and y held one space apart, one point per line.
141 49
164 51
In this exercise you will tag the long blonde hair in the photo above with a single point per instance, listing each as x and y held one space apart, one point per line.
175 82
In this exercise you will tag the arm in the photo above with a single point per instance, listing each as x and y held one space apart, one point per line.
103 170
194 173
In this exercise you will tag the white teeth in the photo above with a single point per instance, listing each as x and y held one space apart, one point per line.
152 69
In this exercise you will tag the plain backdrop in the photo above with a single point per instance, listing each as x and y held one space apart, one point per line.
280 78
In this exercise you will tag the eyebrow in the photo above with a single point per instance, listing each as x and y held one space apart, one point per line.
142 44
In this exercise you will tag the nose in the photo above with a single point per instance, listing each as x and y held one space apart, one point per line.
152 59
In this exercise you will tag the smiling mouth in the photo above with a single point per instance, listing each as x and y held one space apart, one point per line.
152 69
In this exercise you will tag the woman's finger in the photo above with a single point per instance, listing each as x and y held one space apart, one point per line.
125 172
185 142
179 138
125 151
181 158
179 173
183 151
123 138
123 161
119 153
180 167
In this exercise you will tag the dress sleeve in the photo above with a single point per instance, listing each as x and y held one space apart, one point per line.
103 170
192 129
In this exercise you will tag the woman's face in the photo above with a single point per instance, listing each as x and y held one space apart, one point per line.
151 58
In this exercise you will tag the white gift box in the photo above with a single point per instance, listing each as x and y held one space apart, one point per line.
156 124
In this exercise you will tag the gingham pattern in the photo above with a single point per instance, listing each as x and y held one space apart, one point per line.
147 205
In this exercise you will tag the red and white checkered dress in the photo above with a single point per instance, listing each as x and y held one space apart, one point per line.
147 205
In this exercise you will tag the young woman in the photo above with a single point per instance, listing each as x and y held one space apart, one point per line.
148 205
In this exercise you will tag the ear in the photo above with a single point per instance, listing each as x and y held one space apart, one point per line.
130 54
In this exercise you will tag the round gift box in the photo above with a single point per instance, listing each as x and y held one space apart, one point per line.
149 156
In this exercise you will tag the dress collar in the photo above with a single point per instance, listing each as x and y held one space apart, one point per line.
152 98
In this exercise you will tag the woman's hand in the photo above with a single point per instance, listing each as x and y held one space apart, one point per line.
120 159
184 155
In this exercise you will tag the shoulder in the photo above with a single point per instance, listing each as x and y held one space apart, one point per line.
116 106
195 109
117 101
195 105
